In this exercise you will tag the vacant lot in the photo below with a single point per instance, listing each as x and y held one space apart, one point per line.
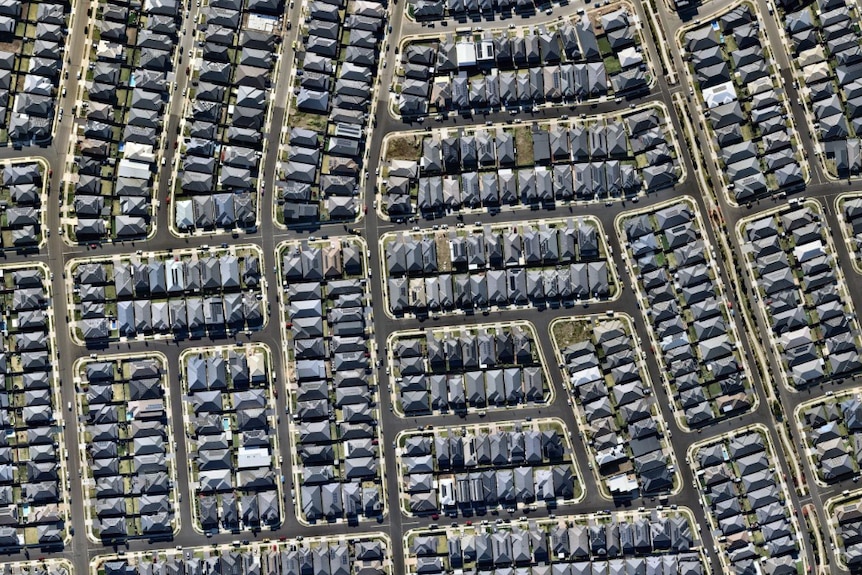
316 122
524 146
404 148
565 333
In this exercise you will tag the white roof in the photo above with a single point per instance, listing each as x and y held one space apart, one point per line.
485 50
140 152
586 375
185 213
447 492
718 95
760 85
808 251
813 73
622 483
811 56
256 367
630 57
132 169
251 457
174 274
465 53
105 48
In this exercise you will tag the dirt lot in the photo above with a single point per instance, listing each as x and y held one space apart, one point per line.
404 148
565 333
444 263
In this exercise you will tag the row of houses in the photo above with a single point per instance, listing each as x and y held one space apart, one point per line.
335 416
452 292
521 69
335 82
795 272
161 277
657 544
306 264
32 508
747 504
529 244
479 169
141 49
219 210
469 472
741 100
825 40
462 93
296 193
483 269
231 439
366 555
220 158
180 295
852 212
22 189
137 499
439 9
833 433
314 174
542 185
606 378
449 351
29 76
194 315
848 516
424 394
53 567
687 313
448 372
559 143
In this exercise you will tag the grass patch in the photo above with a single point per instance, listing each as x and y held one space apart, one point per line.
404 148
523 146
605 46
730 43
316 122
612 64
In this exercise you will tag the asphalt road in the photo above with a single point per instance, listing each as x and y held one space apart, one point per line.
57 253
